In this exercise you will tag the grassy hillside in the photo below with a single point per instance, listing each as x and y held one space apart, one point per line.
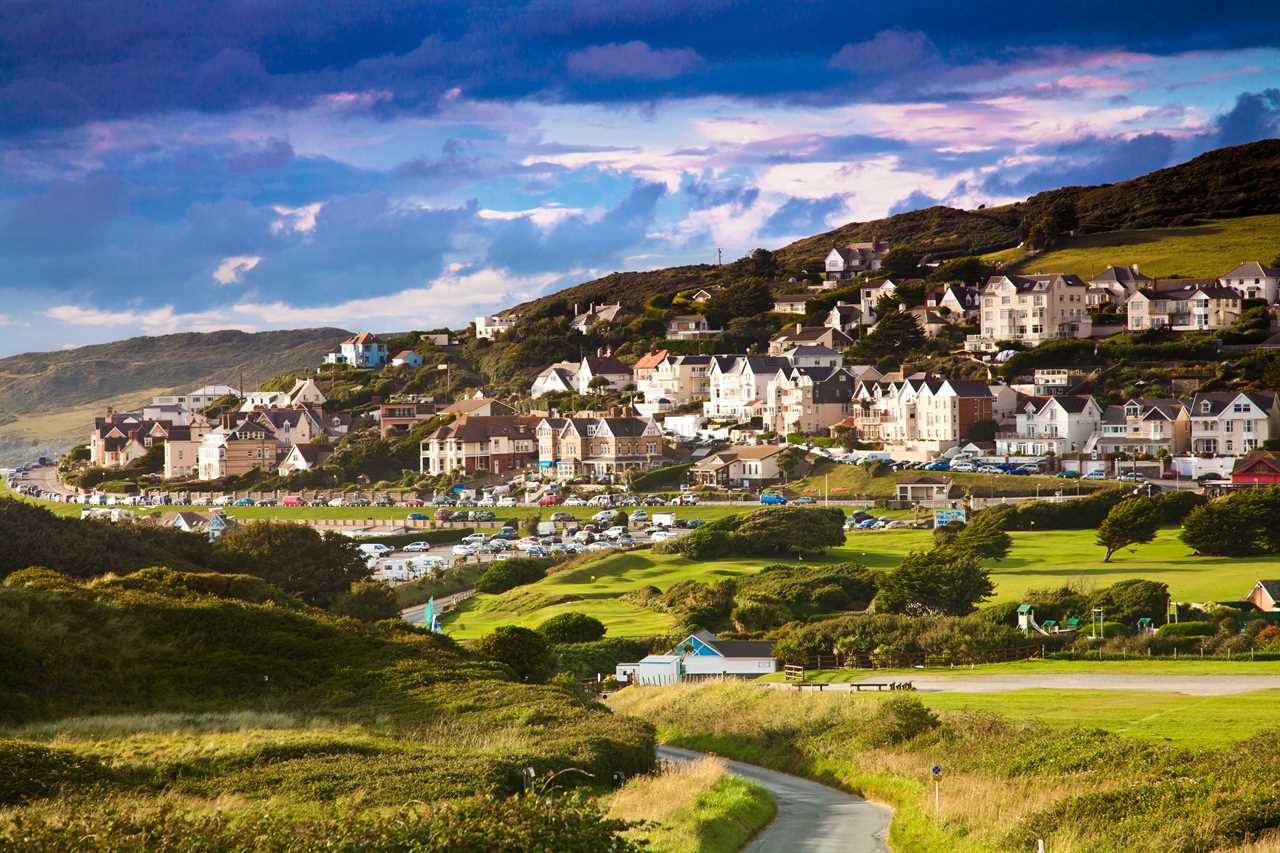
249 699
46 396
1039 560
1198 251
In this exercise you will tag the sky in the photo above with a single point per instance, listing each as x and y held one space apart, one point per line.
386 164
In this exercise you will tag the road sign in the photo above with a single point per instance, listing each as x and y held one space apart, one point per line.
942 517
937 772
937 789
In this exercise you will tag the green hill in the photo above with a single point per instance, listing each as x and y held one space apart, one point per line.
1197 251
123 694
47 399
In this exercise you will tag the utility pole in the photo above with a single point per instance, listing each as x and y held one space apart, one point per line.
719 257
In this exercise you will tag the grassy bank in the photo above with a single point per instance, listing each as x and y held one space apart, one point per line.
693 807
1007 781
1199 251
855 481
1039 559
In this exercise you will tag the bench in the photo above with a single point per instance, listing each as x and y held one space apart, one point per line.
882 685
821 686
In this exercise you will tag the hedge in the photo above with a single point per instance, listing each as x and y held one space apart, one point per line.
660 479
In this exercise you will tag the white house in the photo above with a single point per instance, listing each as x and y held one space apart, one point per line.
559 377
1184 305
847 261
488 328
792 303
363 350
702 654
1061 424
1253 280
1232 423
1031 309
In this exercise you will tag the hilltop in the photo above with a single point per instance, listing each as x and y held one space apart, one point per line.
1227 183
48 399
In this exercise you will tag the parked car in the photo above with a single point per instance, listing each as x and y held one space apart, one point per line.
867 524
574 501
416 516
614 532
507 533
990 469
482 515
940 465
418 546
963 467
803 500
639 516
292 500
1095 474
549 500
507 501
338 502
562 516
772 499
686 500
244 502
1132 477
442 514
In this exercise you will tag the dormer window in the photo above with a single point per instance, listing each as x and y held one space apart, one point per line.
1204 407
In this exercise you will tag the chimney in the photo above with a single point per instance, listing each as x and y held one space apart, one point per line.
228 420
575 309
1134 267
799 327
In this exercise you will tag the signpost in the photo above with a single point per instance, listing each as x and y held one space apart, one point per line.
943 517
937 789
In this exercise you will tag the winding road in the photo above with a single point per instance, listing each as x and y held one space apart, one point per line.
811 817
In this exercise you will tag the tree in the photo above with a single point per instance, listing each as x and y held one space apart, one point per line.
294 557
525 651
902 262
1133 521
572 628
368 601
896 335
941 582
1128 601
982 430
970 270
763 263
788 460
745 299
1059 220
985 537
598 384
502 575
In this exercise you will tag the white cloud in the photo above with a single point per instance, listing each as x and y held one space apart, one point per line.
232 269
158 321
544 216
299 219
6 320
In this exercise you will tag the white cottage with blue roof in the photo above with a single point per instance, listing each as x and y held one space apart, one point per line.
702 654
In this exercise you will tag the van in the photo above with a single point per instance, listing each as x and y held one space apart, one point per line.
376 549
292 500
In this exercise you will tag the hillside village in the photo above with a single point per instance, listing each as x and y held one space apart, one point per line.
836 370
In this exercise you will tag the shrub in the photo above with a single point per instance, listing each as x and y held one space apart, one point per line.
368 601
897 721
658 479
33 771
572 628
941 582
525 652
503 575
1187 629
985 537
1130 600
780 531
296 558
587 660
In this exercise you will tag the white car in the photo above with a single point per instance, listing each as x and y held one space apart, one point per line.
506 501
614 532
487 500
338 502
461 550
964 467
600 500
474 539
574 501
418 546
224 500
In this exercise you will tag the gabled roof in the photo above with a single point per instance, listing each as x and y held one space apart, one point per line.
363 339
1038 282
1270 587
1219 400
1071 403
1253 269
1258 459
471 404
605 364
314 454
1120 275
650 360
631 427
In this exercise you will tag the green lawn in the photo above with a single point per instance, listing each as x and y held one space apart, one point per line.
1190 721
1038 560
1199 251
1138 667
854 481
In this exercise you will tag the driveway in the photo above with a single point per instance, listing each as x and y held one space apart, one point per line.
811 818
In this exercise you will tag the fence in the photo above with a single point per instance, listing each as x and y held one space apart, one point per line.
1022 651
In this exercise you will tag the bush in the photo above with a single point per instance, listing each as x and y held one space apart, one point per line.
774 531
897 721
659 479
985 537
525 652
296 558
943 581
368 601
503 575
572 628
587 660
1187 629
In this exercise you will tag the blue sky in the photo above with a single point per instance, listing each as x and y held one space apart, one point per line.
387 164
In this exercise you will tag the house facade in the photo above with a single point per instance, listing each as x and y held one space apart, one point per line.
233 449
737 384
690 327
1144 426
1184 306
399 417
802 335
1253 280
676 381
490 327
844 262
1230 423
365 350
1031 309
807 399
748 466
478 444
1059 424
603 447
1259 468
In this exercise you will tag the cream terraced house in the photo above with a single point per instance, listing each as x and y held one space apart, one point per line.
1184 306
1232 423
676 380
1253 280
1031 309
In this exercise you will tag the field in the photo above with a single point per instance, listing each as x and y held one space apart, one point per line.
1039 559
1200 251
854 481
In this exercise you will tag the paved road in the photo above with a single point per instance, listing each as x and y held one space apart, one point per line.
812 818
1191 685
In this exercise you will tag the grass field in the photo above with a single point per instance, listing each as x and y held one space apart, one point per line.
1200 251
1039 559
854 481
1140 667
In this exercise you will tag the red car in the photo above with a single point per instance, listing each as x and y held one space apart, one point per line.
443 514
549 500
